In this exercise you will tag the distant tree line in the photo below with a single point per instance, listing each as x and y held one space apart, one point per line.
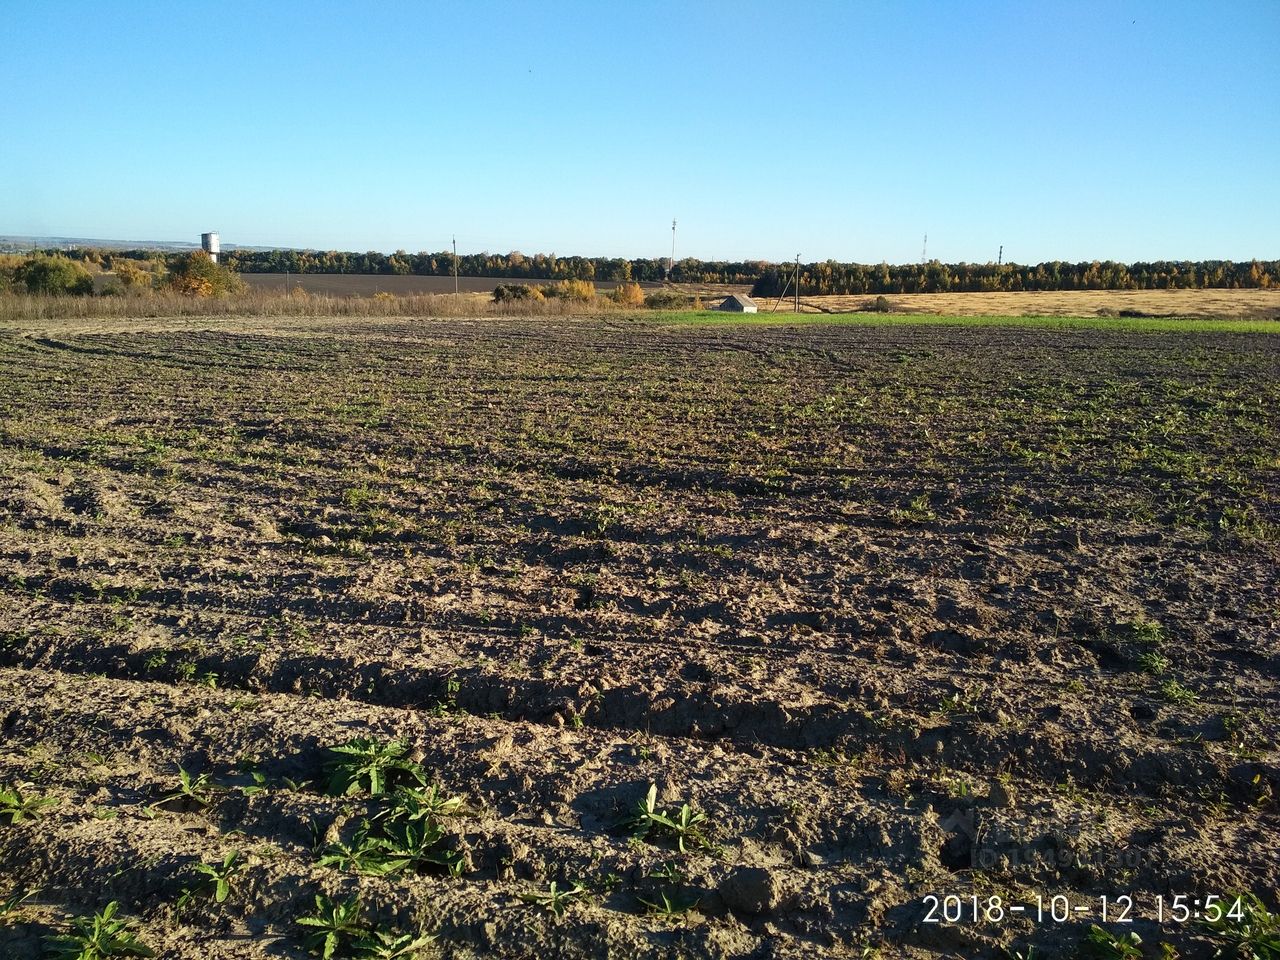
830 277
826 277
514 265
768 279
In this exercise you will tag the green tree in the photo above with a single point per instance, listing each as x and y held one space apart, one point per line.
55 275
130 275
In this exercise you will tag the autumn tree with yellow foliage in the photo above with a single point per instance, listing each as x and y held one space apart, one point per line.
196 275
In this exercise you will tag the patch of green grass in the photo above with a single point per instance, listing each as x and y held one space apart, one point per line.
1153 663
1146 631
1175 692
358 495
917 511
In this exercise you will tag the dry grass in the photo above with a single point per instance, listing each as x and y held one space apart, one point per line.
1235 304
23 309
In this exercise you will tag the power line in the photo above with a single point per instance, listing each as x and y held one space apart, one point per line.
793 276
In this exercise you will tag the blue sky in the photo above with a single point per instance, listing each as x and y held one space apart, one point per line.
1122 130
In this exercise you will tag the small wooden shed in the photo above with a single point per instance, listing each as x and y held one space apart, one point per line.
736 303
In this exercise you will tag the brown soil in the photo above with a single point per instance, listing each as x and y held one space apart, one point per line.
905 611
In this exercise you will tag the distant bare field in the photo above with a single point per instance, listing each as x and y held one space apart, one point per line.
710 290
1243 304
367 285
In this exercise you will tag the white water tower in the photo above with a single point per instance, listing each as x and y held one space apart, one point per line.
209 244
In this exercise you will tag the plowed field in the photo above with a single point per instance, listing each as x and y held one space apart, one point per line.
900 611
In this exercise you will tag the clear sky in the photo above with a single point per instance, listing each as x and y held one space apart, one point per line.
1130 130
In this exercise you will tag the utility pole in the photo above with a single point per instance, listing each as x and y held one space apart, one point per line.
797 283
1000 258
671 266
455 264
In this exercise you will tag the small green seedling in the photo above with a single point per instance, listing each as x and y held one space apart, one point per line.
685 825
334 926
1154 662
610 882
670 872
10 905
388 945
364 765
18 806
1246 928
193 793
220 876
97 937
555 899
259 785
364 855
449 705
669 904
1100 944
645 814
412 803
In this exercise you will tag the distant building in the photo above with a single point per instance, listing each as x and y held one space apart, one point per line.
210 245
738 304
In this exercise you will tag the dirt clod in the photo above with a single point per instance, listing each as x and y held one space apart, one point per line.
751 890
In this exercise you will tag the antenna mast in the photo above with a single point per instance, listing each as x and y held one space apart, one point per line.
924 250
